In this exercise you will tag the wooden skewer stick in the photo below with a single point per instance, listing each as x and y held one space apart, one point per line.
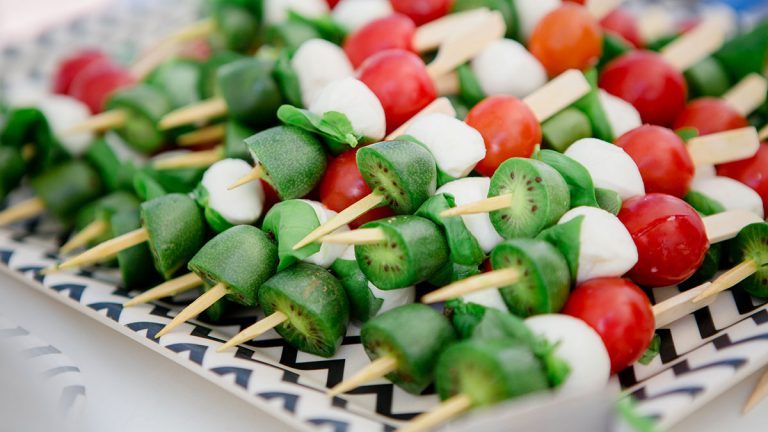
726 225
259 328
694 46
483 281
448 84
359 236
680 305
170 288
430 35
106 249
344 217
377 369
204 110
748 94
195 30
483 206
111 119
90 232
255 174
763 134
758 394
21 211
204 135
447 410
440 105
600 8
28 151
557 94
723 147
728 279
195 308
198 159
655 22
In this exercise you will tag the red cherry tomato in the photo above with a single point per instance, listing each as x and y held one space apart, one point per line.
656 89
270 196
400 80
753 172
581 2
422 11
332 3
508 127
71 66
393 32
662 158
622 23
619 312
97 82
567 38
670 238
710 115
343 186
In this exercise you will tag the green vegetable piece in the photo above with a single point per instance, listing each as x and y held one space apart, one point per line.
413 251
11 170
582 190
416 351
234 137
463 246
544 282
287 79
137 269
404 173
707 78
288 222
293 160
29 126
66 188
289 35
209 70
652 351
115 174
242 258
746 53
687 133
146 187
214 219
315 304
332 125
470 90
103 208
176 231
324 25
608 200
613 47
661 42
180 79
452 272
251 94
566 238
590 105
461 108
752 244
565 128
145 106
703 204
176 180
363 304
237 28
506 7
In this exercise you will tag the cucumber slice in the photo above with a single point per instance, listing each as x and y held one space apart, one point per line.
137 268
752 244
145 105
67 188
464 248
416 350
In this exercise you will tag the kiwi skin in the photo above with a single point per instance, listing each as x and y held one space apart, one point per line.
752 244
315 304
415 335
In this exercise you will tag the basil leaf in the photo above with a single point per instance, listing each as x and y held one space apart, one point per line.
324 25
463 246
608 200
469 87
333 126
287 79
652 351
288 222
580 185
566 238
590 105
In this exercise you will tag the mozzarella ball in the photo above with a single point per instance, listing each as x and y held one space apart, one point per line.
328 252
578 345
490 298
63 112
392 298
354 14
456 146
622 116
530 12
609 165
276 11
469 190
354 99
505 67
733 195
239 206
606 248
312 79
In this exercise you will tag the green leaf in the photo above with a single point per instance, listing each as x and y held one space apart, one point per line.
703 203
287 79
469 87
613 47
590 105
333 126
325 26
627 410
146 187
608 200
652 351
746 53
687 133
580 185
288 222
462 244
566 238
363 305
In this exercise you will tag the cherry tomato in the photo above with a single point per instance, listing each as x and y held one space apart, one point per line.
619 311
97 82
270 196
343 185
422 11
332 3
567 38
662 158
710 115
655 88
581 2
71 66
400 80
670 238
621 23
509 130
393 32
753 172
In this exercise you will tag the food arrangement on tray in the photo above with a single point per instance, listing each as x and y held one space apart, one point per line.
489 191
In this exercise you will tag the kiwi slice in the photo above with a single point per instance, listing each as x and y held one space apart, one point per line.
489 371
544 281
413 251
540 197
752 244
403 172
315 304
136 267
416 350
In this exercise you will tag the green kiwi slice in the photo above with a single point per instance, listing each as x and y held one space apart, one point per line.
540 197
315 304
416 349
544 281
413 251
66 188
136 266
403 172
752 244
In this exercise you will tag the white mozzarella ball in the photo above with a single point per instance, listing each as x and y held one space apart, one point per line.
505 67
62 112
242 205
469 190
354 14
578 345
622 116
530 12
606 248
392 298
609 165
276 11
732 194
490 298
328 252
704 171
354 99
456 146
312 79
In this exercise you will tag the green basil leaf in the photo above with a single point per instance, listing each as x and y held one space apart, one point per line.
469 87
590 105
333 126
703 203
288 222
363 305
463 246
566 238
608 200
287 79
580 185
652 351
325 26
